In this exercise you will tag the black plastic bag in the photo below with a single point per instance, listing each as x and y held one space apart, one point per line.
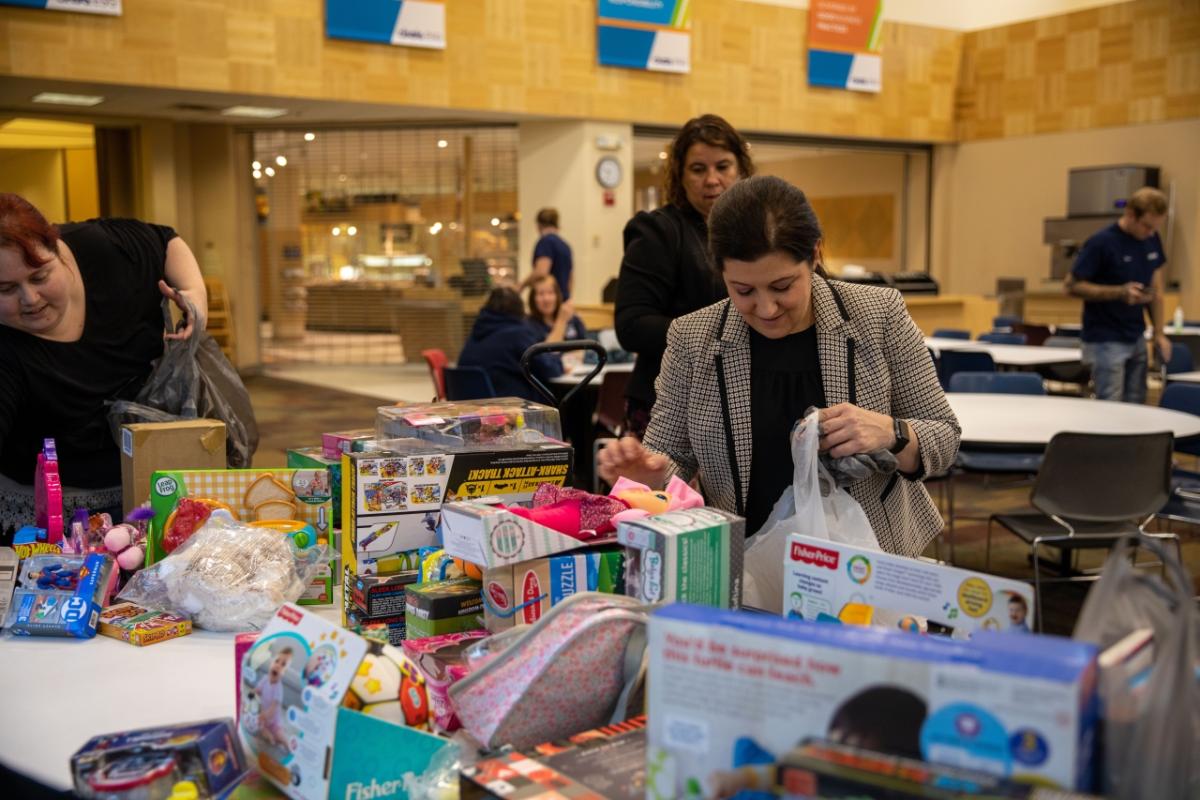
194 380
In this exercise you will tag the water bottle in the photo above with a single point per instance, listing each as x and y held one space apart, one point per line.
1177 320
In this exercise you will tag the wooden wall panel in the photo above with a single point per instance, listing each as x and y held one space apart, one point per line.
857 226
512 57
1124 64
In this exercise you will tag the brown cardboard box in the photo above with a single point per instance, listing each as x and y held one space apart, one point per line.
150 446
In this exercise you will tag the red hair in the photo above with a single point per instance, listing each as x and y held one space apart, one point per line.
22 227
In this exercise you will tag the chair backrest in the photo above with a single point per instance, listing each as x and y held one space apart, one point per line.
951 333
1181 359
1000 337
1099 477
954 361
1035 335
610 401
1061 341
1005 321
1183 397
468 383
997 383
437 361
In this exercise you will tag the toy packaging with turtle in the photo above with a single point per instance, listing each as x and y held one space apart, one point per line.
824 579
728 690
152 762
60 595
183 500
305 678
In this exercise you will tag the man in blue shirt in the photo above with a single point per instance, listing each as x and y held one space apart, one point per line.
551 255
1119 276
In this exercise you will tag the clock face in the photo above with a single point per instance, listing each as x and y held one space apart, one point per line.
608 172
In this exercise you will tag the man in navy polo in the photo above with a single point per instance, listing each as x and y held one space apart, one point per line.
551 255
1119 276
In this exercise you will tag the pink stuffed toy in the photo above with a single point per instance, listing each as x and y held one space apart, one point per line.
645 502
574 512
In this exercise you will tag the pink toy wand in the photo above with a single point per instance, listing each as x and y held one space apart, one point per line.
47 493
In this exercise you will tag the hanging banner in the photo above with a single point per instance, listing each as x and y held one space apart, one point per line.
843 44
408 23
645 34
110 7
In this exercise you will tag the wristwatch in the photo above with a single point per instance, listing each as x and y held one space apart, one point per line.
903 436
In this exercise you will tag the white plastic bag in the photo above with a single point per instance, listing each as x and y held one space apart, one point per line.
813 505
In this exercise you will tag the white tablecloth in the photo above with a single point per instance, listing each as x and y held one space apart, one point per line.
1010 355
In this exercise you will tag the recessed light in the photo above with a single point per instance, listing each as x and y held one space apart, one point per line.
351 231
308 137
256 112
443 144
270 172
62 99
663 155
257 174
495 222
255 165
336 231
281 161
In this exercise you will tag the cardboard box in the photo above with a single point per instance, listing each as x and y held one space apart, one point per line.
147 447
821 577
723 684
391 629
370 756
470 424
139 626
381 595
333 445
441 607
692 556
315 458
493 537
319 591
519 594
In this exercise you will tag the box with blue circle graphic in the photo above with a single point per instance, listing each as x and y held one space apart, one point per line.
728 691
60 595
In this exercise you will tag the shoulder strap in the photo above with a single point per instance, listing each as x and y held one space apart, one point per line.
634 672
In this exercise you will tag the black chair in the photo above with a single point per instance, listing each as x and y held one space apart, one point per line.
1002 337
952 333
997 383
1077 374
1180 361
1092 489
467 383
1183 397
952 361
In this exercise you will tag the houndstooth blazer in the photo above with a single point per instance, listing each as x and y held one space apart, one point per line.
872 355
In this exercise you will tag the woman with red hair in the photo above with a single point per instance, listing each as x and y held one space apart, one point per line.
81 324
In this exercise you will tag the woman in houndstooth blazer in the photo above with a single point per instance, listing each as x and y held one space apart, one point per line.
879 387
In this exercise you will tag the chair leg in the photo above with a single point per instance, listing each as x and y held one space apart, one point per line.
1037 588
987 550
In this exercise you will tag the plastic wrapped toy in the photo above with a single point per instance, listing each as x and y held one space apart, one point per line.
60 595
501 421
228 576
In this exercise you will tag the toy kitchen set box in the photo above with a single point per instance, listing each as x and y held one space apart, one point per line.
325 714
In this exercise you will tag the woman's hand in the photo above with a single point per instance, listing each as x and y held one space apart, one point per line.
193 318
566 311
849 430
627 458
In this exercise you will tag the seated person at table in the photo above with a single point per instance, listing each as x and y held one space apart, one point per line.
81 324
499 338
553 318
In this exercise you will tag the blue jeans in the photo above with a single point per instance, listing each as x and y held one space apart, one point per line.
1118 369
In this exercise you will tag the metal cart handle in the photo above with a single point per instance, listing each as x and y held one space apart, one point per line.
562 347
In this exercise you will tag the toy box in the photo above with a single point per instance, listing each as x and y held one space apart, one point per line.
440 660
475 424
183 500
493 537
8 579
602 764
392 628
822 577
726 689
149 762
315 458
140 626
434 609
242 642
333 445
519 594
380 595
60 595
692 556
147 447
295 684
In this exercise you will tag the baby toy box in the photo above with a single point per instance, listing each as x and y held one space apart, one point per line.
60 595
822 577
692 556
150 762
493 537
519 594
183 500
729 689
307 683
315 458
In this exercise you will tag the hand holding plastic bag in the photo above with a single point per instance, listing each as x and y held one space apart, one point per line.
813 505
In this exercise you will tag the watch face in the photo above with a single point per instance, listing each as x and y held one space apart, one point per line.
608 172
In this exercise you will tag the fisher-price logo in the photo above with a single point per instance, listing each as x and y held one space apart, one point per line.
817 556
288 614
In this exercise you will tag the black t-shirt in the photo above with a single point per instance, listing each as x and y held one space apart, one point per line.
1112 257
59 389
785 380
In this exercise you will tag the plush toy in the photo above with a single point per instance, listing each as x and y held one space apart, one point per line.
645 502
574 512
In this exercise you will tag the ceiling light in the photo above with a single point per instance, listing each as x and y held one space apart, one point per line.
270 172
281 161
495 221
62 99
435 228
257 174
256 165
347 272
351 230
255 112
336 231
663 155
443 144
308 137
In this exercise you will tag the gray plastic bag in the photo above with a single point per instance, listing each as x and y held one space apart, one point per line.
194 380
1151 729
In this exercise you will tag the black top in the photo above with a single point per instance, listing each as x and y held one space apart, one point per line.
1112 257
785 380
665 274
59 389
553 247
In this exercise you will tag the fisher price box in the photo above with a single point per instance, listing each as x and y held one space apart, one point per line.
692 556
822 577
728 690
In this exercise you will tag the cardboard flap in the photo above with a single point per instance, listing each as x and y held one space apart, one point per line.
213 440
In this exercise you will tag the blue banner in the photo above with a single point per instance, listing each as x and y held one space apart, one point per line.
410 23
644 34
110 7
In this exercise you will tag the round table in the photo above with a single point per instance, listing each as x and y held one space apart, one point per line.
576 375
1010 355
1015 420
62 692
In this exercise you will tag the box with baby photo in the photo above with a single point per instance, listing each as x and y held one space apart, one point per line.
323 710
183 500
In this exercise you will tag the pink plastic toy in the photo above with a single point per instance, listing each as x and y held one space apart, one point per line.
47 497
